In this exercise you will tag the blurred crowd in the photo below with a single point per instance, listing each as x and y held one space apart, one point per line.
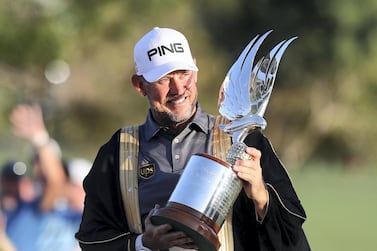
41 203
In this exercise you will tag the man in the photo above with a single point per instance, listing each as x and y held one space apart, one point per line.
267 214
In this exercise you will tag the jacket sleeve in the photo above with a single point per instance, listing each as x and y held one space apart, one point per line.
281 228
104 225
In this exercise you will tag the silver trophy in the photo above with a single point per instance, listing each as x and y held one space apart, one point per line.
208 186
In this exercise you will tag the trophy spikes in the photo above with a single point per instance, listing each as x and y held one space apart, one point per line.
246 89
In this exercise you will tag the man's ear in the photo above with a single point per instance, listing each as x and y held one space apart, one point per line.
137 82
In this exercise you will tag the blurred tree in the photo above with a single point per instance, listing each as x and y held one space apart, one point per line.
323 100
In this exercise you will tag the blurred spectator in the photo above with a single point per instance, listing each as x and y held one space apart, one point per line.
27 123
16 186
48 219
5 243
77 169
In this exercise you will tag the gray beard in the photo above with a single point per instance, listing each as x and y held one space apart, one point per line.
168 118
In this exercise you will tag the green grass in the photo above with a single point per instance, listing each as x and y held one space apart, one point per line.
341 207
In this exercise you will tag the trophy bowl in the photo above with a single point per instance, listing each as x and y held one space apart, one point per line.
201 200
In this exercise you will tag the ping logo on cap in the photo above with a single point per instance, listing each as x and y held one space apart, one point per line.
160 51
163 50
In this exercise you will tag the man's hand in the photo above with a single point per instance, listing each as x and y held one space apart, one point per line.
250 172
27 121
162 236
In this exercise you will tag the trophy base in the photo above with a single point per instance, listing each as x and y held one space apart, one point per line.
195 224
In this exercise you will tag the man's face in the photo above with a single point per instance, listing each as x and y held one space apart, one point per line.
173 97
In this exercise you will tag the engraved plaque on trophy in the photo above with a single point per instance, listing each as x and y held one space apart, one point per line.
208 187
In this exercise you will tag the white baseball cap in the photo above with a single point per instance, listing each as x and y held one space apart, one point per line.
161 51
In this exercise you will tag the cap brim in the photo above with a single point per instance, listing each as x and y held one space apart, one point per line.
162 70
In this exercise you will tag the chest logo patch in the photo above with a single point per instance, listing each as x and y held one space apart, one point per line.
147 170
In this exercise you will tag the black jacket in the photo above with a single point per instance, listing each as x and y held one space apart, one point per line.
104 225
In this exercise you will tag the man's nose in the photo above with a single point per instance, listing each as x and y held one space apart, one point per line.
179 85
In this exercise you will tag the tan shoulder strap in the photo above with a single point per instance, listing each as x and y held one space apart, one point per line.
128 162
221 145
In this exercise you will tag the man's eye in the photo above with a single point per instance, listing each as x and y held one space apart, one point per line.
187 73
165 80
